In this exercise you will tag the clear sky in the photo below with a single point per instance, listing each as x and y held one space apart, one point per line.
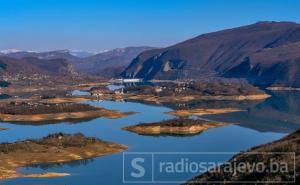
105 24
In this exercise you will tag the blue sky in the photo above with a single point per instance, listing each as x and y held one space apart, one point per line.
105 24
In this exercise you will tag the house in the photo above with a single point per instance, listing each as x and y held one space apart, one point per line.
97 93
120 91
158 89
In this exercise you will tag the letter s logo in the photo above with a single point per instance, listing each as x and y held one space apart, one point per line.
138 167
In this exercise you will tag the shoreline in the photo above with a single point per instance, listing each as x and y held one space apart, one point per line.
45 175
34 88
183 127
201 111
102 112
152 98
72 99
283 88
111 114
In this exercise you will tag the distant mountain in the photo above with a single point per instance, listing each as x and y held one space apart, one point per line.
48 55
16 53
82 54
30 66
106 63
110 63
7 51
265 53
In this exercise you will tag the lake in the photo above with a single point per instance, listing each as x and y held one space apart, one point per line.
261 122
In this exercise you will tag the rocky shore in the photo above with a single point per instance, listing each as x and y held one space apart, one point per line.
37 112
181 126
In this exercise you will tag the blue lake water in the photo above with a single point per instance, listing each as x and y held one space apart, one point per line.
113 87
80 93
262 122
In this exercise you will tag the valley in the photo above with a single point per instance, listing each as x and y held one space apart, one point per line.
228 90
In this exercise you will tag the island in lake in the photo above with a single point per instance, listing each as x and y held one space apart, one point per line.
55 148
37 112
177 126
175 91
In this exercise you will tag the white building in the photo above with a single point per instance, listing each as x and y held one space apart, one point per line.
130 80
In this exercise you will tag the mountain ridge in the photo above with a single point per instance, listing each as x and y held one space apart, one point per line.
214 54
108 63
30 66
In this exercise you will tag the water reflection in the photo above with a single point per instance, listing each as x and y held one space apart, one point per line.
280 113
115 87
66 121
261 123
47 166
80 93
169 135
4 96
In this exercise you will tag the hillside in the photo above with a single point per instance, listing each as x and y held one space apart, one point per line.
31 66
110 63
290 143
105 64
265 53
277 66
48 55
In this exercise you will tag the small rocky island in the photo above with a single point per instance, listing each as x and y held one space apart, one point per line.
285 150
202 111
177 126
55 148
37 112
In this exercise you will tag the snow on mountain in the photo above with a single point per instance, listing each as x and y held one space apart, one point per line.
7 51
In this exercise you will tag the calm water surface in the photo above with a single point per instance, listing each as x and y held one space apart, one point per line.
260 123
